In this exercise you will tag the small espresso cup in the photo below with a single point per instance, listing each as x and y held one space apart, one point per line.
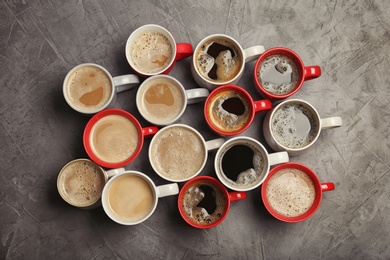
279 73
80 183
242 163
230 110
162 99
131 197
204 202
294 125
178 152
89 88
219 60
151 50
113 138
292 192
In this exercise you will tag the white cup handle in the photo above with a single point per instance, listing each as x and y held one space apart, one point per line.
214 144
113 172
167 190
196 95
331 122
277 158
125 82
252 53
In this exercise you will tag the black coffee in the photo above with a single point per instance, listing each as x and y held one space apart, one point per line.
234 105
214 50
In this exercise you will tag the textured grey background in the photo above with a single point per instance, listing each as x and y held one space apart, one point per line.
40 41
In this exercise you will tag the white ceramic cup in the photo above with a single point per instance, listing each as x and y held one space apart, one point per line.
131 197
116 85
278 132
162 99
242 163
246 55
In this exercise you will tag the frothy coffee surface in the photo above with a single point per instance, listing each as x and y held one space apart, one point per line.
162 100
229 111
114 138
278 74
294 125
151 52
89 88
177 153
204 203
218 60
290 192
81 183
130 198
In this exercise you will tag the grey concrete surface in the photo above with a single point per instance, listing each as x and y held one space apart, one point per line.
40 41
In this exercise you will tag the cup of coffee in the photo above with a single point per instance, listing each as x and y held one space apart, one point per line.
178 152
151 50
220 60
242 163
113 138
294 125
230 110
162 99
89 88
131 197
279 73
80 183
292 192
204 202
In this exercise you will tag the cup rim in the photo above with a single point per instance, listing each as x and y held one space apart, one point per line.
291 54
207 179
106 188
317 186
65 88
94 120
135 33
156 136
140 93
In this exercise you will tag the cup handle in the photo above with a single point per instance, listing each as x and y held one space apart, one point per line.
262 105
237 195
125 82
277 158
196 95
214 144
252 53
167 190
113 172
150 130
183 50
312 72
331 122
327 186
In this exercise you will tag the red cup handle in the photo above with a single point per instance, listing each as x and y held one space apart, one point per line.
327 186
183 50
237 195
150 130
312 72
262 105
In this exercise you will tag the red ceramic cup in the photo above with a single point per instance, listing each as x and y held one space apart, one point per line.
230 110
202 194
287 189
279 73
113 138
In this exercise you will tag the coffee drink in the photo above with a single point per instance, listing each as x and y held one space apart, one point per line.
130 198
229 110
278 74
114 138
89 88
161 100
290 192
294 125
80 183
204 203
151 52
219 60
177 153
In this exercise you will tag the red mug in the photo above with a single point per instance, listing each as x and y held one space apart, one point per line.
279 73
292 192
204 202
229 109
113 138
